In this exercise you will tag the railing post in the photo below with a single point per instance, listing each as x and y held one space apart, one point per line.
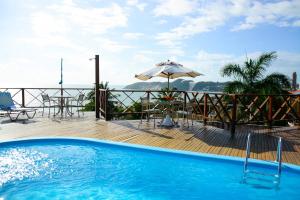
233 116
107 108
23 97
205 109
298 106
102 104
270 111
184 100
97 80
148 105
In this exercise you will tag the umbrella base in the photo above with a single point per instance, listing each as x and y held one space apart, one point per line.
168 122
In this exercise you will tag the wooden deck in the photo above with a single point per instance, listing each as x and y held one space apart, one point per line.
197 138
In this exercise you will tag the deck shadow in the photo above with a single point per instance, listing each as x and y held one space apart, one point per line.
133 126
261 139
19 121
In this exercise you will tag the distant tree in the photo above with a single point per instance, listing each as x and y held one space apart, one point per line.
249 78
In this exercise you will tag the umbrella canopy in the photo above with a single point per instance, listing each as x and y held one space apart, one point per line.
168 70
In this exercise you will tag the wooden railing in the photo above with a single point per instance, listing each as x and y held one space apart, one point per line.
31 97
227 110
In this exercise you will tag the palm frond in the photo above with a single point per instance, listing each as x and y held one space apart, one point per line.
265 59
254 69
233 70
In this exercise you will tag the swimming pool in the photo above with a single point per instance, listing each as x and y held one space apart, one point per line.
63 168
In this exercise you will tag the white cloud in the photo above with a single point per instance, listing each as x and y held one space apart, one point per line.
56 24
287 61
282 13
213 14
163 21
46 24
92 19
213 57
76 30
132 36
109 45
190 27
48 40
175 52
137 4
27 72
210 64
67 30
142 58
296 23
175 7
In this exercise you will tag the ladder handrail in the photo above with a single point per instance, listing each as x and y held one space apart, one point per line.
279 155
278 160
247 152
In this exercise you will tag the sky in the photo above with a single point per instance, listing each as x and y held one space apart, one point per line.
132 36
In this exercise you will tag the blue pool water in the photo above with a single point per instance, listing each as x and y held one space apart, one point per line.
87 169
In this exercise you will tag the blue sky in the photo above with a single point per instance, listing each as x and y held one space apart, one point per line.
132 36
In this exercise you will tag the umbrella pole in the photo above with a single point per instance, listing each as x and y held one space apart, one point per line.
168 83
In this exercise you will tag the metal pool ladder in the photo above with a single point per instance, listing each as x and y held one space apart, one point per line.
278 162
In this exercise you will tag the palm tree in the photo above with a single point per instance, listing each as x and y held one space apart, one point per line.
250 79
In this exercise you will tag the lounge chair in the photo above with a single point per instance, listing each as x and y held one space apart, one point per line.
7 104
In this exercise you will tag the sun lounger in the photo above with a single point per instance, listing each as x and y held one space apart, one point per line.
7 104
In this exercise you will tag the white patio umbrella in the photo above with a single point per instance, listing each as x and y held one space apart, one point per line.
169 70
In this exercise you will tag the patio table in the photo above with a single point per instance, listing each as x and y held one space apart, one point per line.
168 121
62 103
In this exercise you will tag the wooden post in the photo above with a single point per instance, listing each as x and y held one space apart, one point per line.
102 103
97 81
23 97
233 116
205 109
270 111
184 101
148 105
298 105
106 105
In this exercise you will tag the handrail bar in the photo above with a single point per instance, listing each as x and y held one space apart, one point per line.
247 152
134 90
279 155
278 160
202 92
48 88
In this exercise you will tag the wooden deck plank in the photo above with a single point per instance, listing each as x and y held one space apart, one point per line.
197 138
